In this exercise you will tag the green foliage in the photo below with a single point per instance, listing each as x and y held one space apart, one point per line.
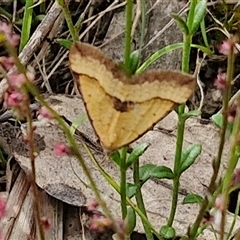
136 153
199 14
192 198
27 23
189 156
130 220
167 232
181 23
134 61
148 171
64 42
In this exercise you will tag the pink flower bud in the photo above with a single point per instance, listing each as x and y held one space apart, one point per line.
44 113
225 47
2 208
61 149
220 81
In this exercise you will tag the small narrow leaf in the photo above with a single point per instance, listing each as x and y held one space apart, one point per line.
115 156
152 171
193 113
192 198
200 11
136 153
130 220
65 43
131 189
167 232
181 23
189 156
217 120
134 61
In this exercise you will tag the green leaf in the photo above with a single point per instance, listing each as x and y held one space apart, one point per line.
115 156
152 171
134 61
27 23
64 42
189 156
193 113
77 123
167 232
155 56
192 198
131 189
199 14
136 153
217 120
130 220
181 23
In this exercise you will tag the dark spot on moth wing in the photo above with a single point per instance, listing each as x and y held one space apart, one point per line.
121 106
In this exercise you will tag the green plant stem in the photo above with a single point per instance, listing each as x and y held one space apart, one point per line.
27 22
233 156
217 160
68 19
74 147
180 134
127 48
123 182
230 169
139 199
33 173
234 219
177 161
111 181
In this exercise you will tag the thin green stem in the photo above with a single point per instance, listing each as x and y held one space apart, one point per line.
123 182
127 48
230 169
217 160
74 147
139 199
68 19
177 161
235 133
234 219
180 134
111 181
33 173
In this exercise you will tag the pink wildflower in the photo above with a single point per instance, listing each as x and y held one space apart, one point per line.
2 208
16 80
93 205
231 113
220 81
11 37
236 178
219 204
7 62
225 47
99 223
13 98
44 113
61 149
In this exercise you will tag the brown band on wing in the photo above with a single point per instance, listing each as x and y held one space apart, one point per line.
122 106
